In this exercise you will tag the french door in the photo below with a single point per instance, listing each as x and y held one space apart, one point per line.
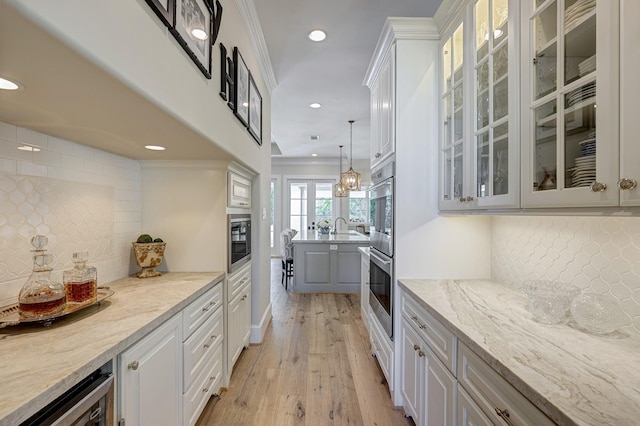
310 200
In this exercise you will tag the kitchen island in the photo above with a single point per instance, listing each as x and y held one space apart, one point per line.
38 364
573 377
327 263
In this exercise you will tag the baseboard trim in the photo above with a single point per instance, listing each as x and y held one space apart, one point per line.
258 330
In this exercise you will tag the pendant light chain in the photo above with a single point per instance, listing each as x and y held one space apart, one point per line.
340 189
351 179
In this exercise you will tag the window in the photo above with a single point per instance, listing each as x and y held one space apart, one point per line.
309 202
359 206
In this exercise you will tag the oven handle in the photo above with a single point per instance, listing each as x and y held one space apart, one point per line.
379 259
85 403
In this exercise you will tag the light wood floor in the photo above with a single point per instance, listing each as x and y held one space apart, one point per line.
313 368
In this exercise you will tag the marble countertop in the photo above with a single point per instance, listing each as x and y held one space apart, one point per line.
38 364
572 376
365 250
340 237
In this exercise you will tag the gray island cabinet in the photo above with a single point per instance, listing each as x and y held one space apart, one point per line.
327 263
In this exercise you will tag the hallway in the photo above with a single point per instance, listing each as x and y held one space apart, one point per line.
313 368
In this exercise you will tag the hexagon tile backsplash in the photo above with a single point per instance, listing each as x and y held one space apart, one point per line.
73 216
598 254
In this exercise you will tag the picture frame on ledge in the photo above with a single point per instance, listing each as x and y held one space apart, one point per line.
164 9
255 111
193 29
241 95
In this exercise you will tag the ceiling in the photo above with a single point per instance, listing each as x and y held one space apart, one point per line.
330 72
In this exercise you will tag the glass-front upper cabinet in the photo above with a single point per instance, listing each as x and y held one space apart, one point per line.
570 133
495 148
452 157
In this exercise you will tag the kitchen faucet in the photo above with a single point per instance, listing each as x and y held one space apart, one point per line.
335 224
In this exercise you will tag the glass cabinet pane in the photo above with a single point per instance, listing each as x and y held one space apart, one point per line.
448 122
482 29
545 47
447 191
446 65
482 97
546 147
457 112
579 39
501 83
458 54
457 171
500 19
483 165
501 159
580 136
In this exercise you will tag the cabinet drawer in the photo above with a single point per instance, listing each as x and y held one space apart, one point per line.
199 347
198 312
494 394
206 384
469 414
381 347
237 281
441 341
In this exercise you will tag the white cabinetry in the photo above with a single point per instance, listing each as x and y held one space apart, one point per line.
364 288
570 65
381 348
238 315
479 98
383 110
168 376
150 377
238 191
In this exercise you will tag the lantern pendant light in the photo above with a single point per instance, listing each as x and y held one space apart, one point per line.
351 179
339 189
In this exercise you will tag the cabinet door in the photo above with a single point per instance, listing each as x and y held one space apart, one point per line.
150 377
375 151
629 95
364 290
454 188
495 174
570 66
440 392
238 325
469 414
246 315
239 191
382 111
412 372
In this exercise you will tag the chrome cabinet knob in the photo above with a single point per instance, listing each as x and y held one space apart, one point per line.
416 347
597 186
504 415
625 184
378 154
133 365
420 354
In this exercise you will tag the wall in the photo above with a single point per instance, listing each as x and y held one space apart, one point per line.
600 255
81 198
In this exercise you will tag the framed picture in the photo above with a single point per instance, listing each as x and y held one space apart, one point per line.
165 9
193 28
255 111
241 96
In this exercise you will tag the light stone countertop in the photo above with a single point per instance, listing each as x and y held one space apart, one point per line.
340 237
365 250
572 376
39 364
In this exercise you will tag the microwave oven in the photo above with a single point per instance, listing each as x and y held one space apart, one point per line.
239 236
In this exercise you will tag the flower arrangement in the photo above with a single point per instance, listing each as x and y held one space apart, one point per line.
324 226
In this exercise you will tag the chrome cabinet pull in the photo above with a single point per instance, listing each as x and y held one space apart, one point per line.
504 415
416 347
133 365
420 354
626 184
598 186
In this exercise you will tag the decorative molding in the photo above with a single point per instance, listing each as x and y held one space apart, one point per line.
194 164
250 19
396 29
258 330
448 13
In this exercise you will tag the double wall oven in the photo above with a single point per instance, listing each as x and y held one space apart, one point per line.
382 243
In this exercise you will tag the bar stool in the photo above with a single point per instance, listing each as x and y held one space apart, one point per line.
286 249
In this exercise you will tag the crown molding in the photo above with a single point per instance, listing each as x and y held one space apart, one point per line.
396 29
448 13
184 164
249 17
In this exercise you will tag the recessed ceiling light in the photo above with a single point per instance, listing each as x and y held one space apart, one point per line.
314 155
155 147
315 105
30 148
199 33
8 84
317 35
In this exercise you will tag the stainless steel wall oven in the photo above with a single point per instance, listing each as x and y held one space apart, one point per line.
239 236
381 268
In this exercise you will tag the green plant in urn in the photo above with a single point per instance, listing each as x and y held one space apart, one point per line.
148 253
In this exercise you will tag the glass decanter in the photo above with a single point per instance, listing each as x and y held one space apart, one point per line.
80 283
40 297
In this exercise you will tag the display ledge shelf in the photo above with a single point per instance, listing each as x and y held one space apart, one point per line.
545 49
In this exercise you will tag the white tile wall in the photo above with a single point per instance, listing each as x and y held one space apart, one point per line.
599 254
81 198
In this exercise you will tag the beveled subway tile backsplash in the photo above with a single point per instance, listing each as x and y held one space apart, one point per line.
598 254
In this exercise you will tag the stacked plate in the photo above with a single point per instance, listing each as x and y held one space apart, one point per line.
585 92
577 11
584 173
587 66
588 147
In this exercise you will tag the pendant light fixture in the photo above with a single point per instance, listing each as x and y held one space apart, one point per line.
339 189
351 179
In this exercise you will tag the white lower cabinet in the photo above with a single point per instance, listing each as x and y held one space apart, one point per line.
364 289
443 382
168 376
238 315
381 348
150 377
